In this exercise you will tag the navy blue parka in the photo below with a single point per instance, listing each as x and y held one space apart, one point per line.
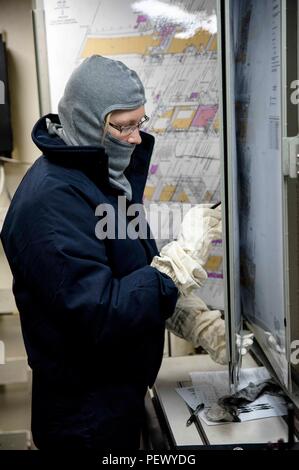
92 311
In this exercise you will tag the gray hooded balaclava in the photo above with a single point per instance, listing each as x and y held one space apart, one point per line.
97 87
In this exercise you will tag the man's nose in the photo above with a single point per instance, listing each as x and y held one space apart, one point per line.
135 137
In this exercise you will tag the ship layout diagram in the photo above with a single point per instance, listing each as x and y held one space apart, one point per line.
178 65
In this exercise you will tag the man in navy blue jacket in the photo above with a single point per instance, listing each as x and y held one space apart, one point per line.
92 310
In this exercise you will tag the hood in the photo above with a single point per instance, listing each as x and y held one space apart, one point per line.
97 87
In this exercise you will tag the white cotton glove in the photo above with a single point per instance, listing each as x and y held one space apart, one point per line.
194 322
244 342
273 343
185 272
182 260
200 227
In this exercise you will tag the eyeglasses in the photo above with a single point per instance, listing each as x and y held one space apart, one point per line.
128 130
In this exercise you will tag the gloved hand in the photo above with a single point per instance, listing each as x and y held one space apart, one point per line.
274 342
194 322
201 225
182 260
244 341
185 272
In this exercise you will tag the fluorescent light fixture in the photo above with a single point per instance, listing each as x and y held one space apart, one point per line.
165 14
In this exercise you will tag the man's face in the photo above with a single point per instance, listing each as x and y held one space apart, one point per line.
126 121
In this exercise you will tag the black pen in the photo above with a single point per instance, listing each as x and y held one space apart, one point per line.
193 415
216 205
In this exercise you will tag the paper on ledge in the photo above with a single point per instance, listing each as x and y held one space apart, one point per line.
208 387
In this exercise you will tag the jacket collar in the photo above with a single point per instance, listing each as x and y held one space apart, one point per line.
93 161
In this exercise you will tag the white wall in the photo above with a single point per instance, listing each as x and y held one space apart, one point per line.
16 23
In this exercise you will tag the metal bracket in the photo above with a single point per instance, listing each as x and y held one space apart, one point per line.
291 156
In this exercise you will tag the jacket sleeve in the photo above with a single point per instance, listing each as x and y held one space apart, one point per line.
67 267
